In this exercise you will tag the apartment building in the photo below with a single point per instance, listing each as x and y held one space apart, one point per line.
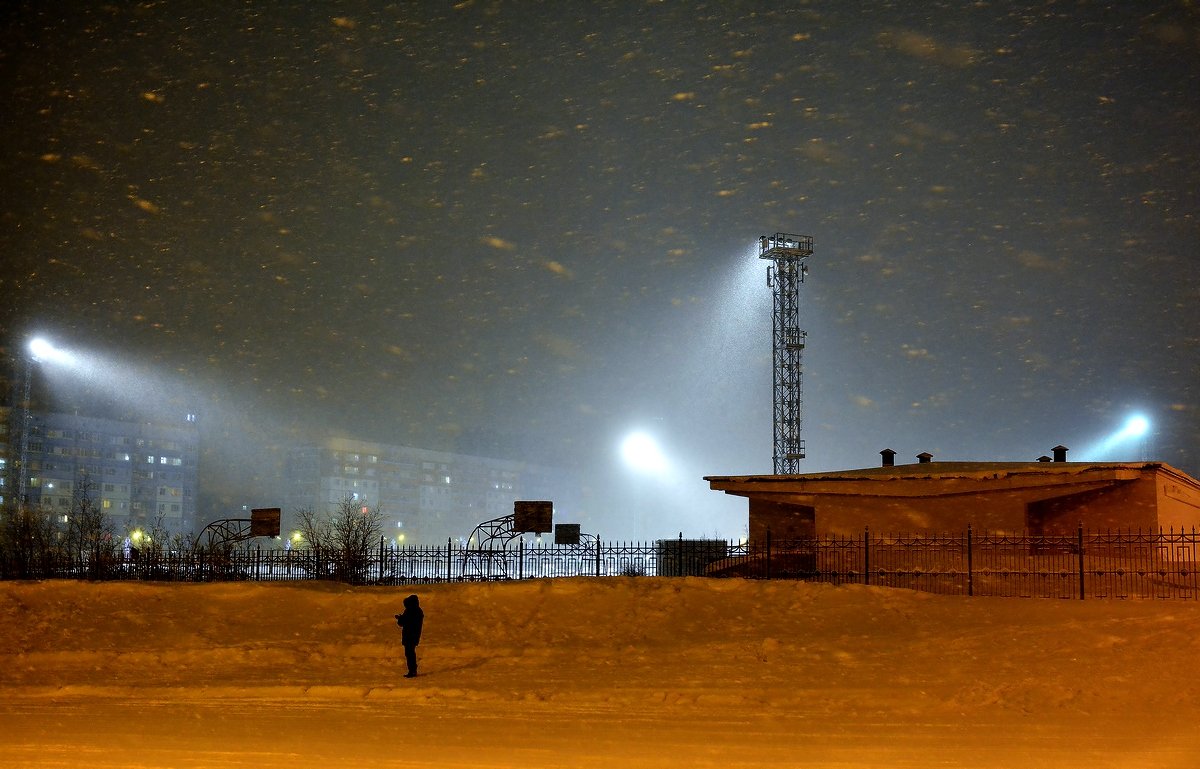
426 496
141 474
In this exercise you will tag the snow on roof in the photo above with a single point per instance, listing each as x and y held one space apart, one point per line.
982 471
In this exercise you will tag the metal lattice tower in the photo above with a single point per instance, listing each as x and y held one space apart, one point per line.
784 276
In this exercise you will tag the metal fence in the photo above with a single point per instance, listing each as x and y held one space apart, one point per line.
1123 564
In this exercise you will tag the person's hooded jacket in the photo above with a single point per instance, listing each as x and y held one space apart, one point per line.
410 621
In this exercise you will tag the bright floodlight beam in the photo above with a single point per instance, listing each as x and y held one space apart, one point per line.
641 453
1136 427
42 350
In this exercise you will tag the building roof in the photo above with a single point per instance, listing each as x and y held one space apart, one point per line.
950 477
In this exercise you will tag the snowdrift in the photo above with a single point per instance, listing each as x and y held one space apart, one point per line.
585 672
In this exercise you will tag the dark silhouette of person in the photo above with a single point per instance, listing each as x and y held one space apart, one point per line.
410 623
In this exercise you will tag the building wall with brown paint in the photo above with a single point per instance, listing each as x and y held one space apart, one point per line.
1038 500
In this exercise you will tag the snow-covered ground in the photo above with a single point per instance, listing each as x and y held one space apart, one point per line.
619 672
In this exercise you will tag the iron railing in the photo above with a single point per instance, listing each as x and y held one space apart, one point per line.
1121 564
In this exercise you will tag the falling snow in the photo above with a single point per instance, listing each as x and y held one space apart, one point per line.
439 226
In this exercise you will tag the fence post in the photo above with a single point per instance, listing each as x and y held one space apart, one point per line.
258 564
521 558
597 555
970 564
1079 545
380 577
680 556
449 559
866 555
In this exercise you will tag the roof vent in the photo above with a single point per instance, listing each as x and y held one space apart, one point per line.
889 457
924 457
1060 453
1043 458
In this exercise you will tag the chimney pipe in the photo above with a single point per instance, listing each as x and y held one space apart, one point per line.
1060 453
924 457
889 457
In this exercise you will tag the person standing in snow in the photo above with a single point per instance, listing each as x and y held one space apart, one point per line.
410 632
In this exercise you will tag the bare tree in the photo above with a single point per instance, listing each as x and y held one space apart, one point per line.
342 541
90 535
29 541
167 553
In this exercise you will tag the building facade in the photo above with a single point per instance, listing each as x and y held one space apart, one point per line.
1044 497
142 475
426 496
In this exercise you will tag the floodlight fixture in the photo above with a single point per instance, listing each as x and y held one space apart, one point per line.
42 351
642 453
1133 431
1136 427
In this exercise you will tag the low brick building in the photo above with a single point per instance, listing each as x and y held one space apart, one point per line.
1043 497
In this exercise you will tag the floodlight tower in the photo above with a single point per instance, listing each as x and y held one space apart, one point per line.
23 456
31 356
39 351
787 254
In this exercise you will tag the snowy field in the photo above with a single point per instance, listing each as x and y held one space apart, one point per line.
620 672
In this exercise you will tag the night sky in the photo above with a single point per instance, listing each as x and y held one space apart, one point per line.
526 229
